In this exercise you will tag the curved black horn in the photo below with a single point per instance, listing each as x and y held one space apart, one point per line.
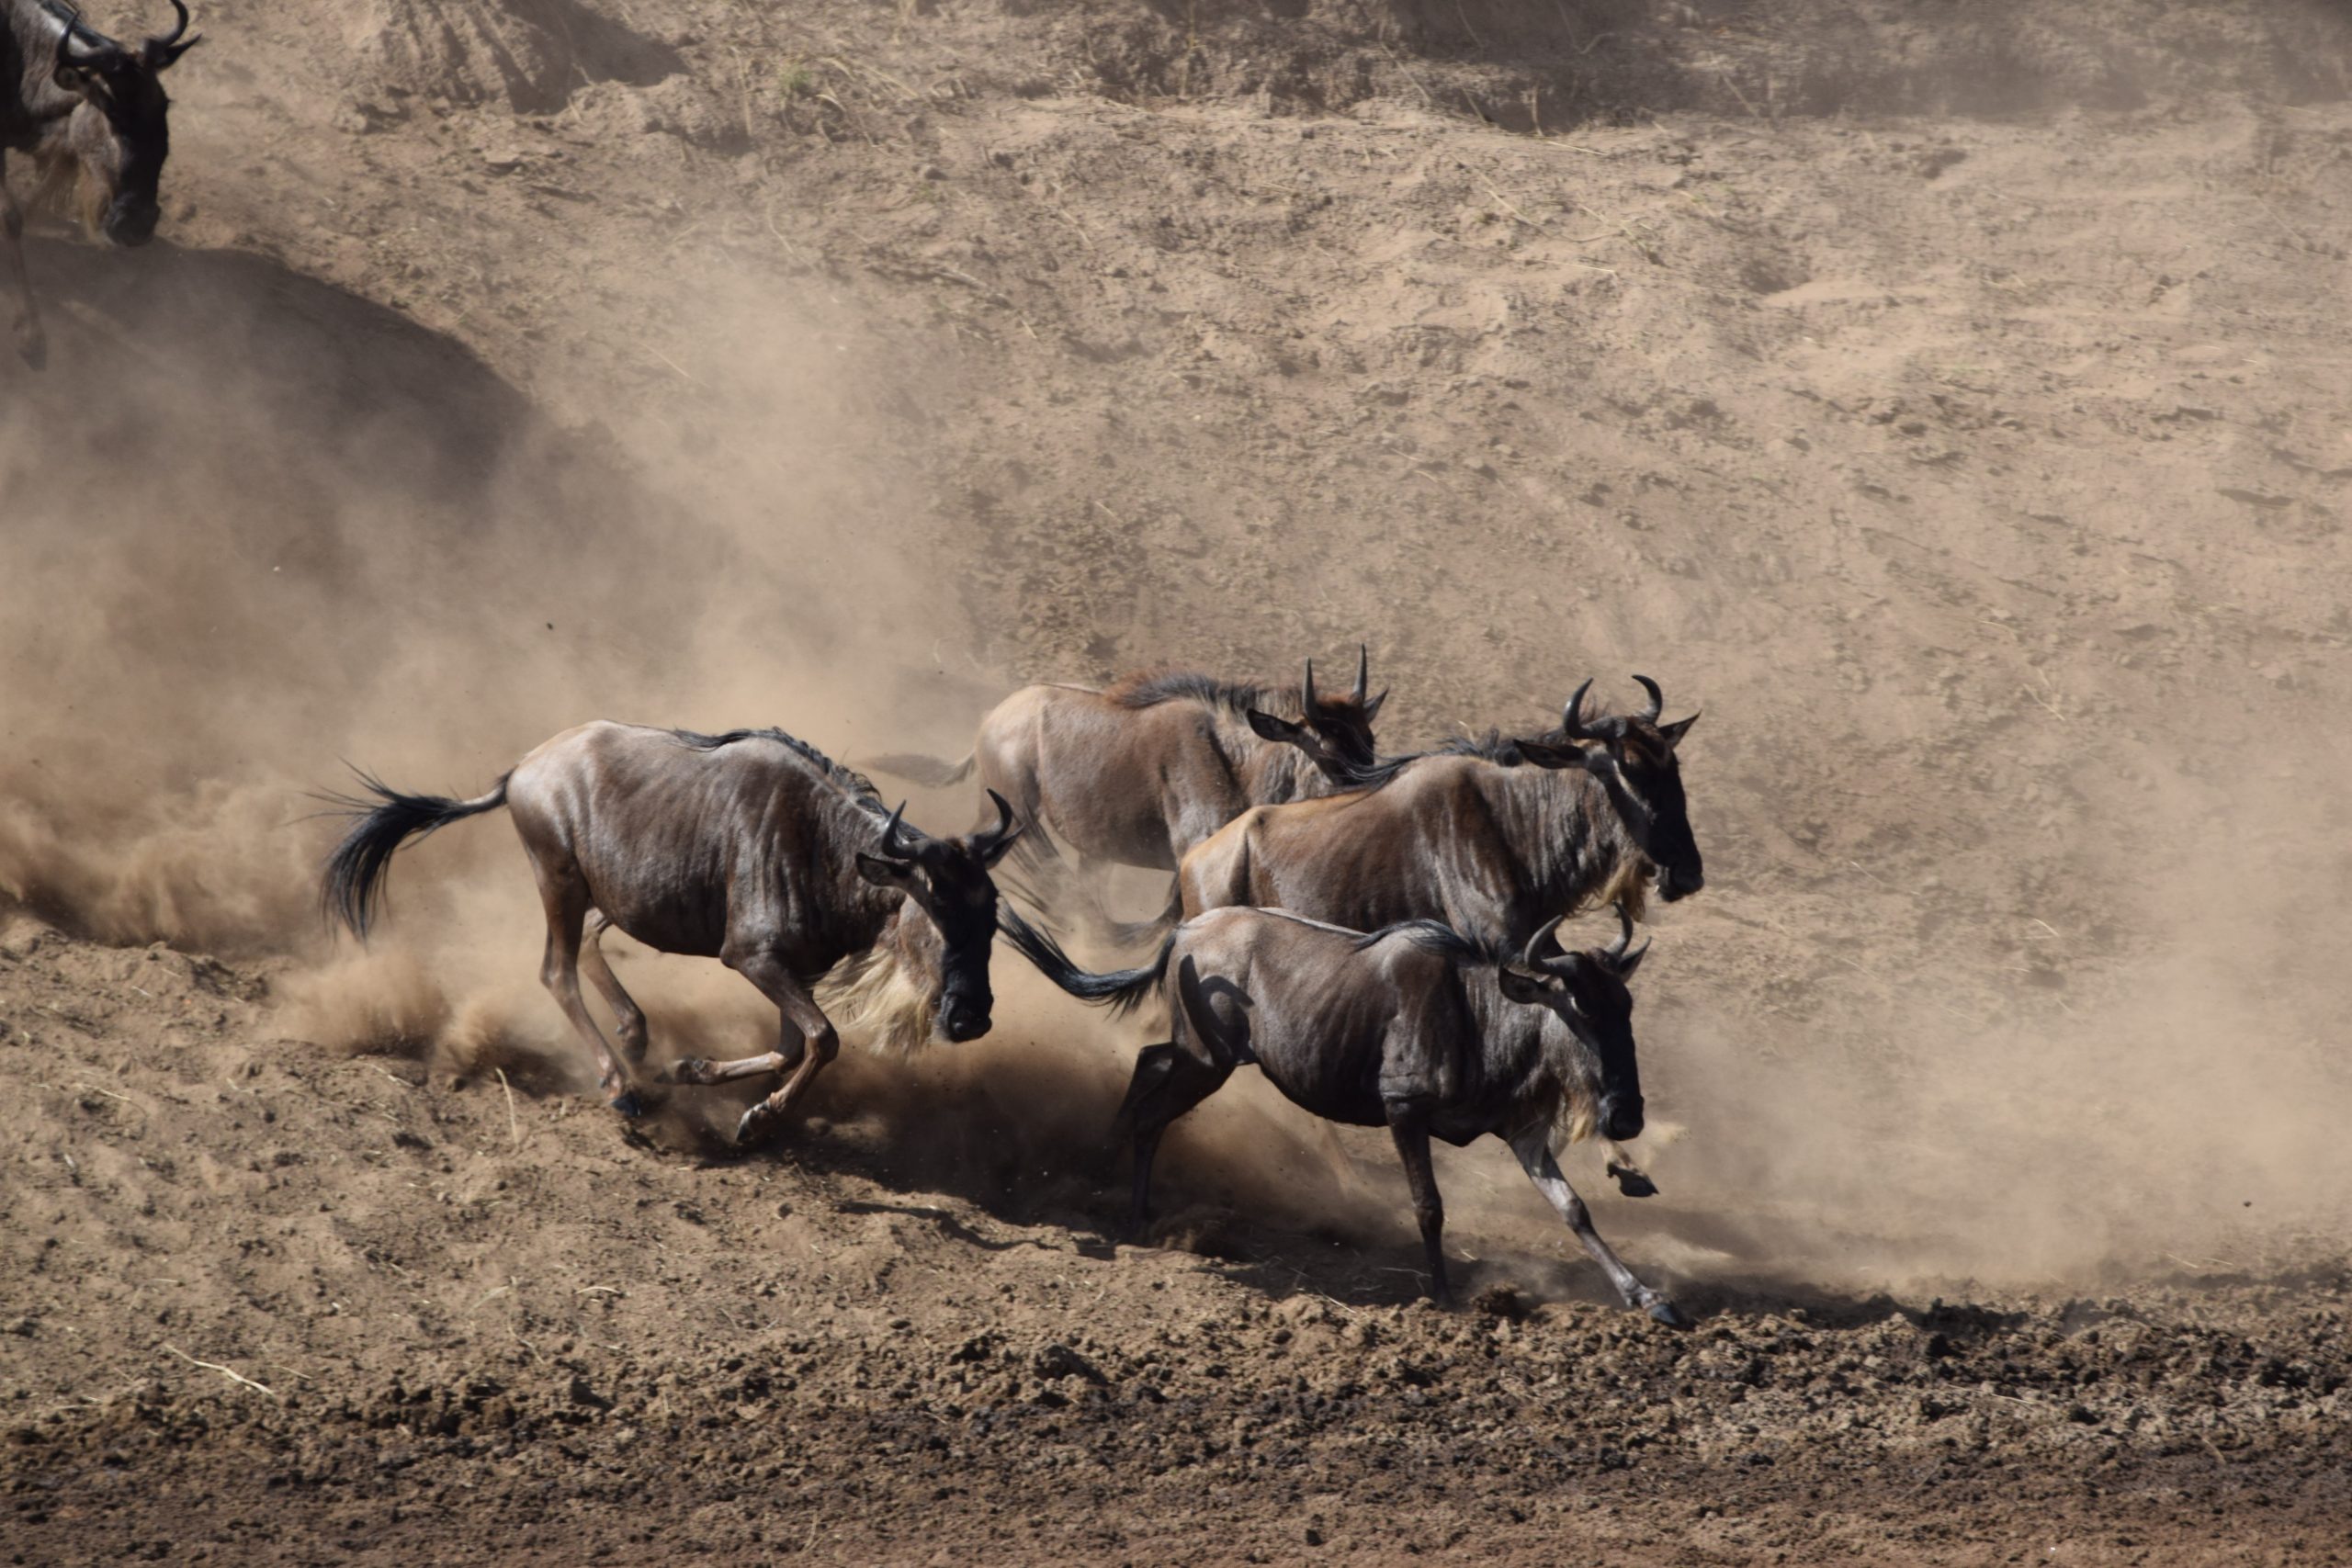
1658 698
894 843
1364 674
1004 828
1306 691
1572 715
75 31
179 32
1530 957
1616 949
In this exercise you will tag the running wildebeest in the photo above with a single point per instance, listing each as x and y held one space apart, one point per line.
74 99
1493 836
1414 1027
1138 773
753 848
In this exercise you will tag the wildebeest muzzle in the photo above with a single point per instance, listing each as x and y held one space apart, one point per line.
132 219
1620 1117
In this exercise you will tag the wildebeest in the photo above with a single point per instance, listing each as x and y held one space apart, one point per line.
1138 773
1495 836
1414 1027
753 848
75 99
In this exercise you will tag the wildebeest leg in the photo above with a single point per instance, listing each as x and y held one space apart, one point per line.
1408 1123
30 342
1167 1082
566 900
626 1014
1534 1148
766 971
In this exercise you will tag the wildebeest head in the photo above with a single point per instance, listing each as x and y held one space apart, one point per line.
1336 731
948 880
1587 991
1633 755
118 132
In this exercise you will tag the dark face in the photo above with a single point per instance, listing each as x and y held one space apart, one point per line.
947 881
1337 733
1634 760
1587 991
120 133
1645 785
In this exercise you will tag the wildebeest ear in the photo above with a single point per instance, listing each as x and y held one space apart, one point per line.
1544 754
1674 732
1269 728
888 873
1522 986
1371 709
1626 965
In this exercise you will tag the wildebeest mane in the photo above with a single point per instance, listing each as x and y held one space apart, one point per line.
1236 697
1436 936
856 786
1493 747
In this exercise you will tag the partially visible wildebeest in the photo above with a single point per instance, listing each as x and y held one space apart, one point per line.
751 848
1490 836
1138 773
1414 1027
76 100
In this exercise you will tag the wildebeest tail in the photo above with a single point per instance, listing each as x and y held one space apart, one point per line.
352 888
1121 990
928 771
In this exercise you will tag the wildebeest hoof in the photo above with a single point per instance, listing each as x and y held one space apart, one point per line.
1667 1313
628 1104
686 1069
757 1122
1630 1182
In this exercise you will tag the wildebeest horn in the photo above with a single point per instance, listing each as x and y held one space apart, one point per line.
1306 691
74 33
1658 698
1543 937
1572 715
894 842
1616 949
180 31
1003 830
1364 674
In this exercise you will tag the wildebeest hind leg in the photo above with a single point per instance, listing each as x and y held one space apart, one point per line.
1410 1125
626 1014
1534 1151
31 342
1169 1081
821 1044
566 901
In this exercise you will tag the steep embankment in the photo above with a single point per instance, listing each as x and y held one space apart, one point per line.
1948 404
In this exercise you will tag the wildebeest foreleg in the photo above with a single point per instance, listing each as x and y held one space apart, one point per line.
766 971
1408 1123
1534 1148
626 1014
30 340
567 910
1167 1082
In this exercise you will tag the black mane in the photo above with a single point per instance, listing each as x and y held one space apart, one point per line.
1236 697
849 781
1436 936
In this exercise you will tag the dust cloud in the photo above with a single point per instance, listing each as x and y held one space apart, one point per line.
257 527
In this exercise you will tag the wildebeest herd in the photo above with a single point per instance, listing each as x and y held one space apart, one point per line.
1378 935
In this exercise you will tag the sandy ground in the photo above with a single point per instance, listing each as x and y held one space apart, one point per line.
1951 408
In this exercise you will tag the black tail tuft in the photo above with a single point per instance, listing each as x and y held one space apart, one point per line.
1121 990
352 888
928 771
